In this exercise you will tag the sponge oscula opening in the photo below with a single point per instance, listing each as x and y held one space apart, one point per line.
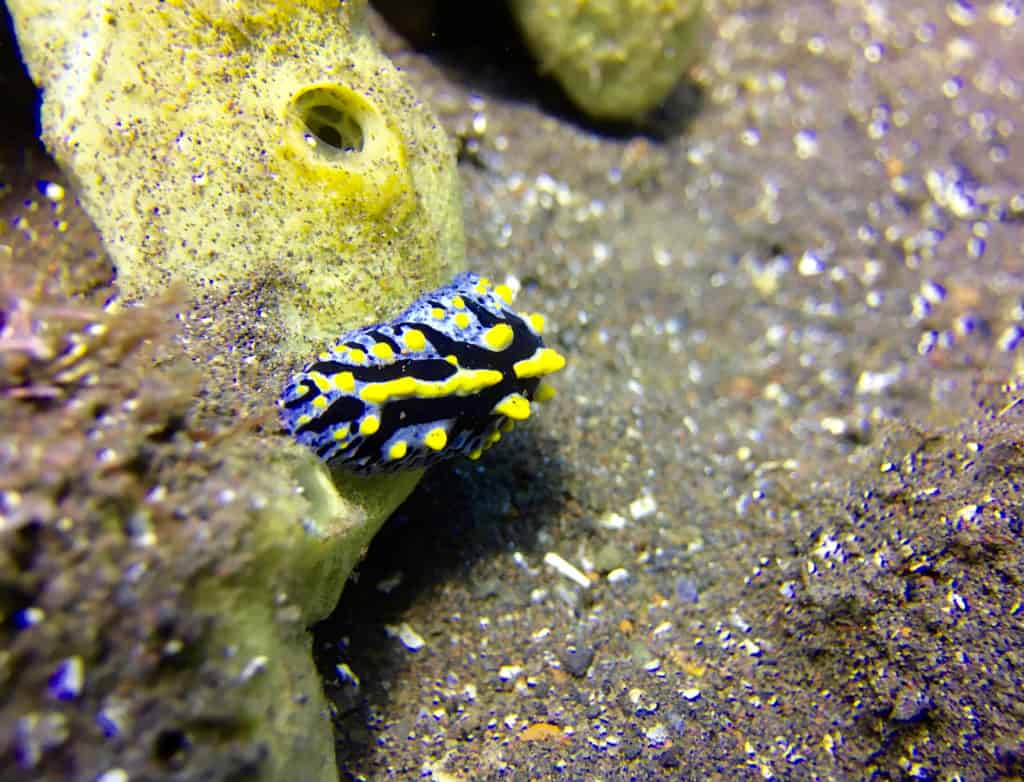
338 140
333 118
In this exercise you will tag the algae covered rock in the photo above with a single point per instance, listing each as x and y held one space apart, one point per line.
617 59
160 572
264 149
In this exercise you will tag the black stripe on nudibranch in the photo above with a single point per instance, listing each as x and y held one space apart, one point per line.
444 378
382 337
340 411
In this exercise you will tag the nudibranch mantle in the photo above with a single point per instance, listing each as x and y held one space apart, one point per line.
445 377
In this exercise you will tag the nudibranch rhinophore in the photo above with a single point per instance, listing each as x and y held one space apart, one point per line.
445 377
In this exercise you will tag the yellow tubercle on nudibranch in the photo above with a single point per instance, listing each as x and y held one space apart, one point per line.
414 339
544 393
383 351
543 362
436 439
345 381
504 293
369 425
444 378
322 383
514 406
499 337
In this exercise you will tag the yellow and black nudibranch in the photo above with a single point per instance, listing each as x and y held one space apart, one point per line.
446 377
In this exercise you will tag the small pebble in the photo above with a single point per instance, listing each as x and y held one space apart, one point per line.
810 264
390 583
612 521
29 617
642 507
51 190
657 735
669 758
577 660
66 682
631 750
910 705
686 590
618 575
114 775
111 718
509 672
967 513
252 668
750 648
609 557
412 640
553 560
346 675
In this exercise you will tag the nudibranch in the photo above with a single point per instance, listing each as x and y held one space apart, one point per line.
446 377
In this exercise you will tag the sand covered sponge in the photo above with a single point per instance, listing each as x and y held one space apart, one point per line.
265 160
252 148
617 59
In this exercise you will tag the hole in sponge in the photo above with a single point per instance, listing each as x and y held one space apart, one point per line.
331 116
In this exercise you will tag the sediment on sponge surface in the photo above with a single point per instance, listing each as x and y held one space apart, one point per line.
284 160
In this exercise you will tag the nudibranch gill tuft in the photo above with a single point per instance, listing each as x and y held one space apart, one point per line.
446 377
